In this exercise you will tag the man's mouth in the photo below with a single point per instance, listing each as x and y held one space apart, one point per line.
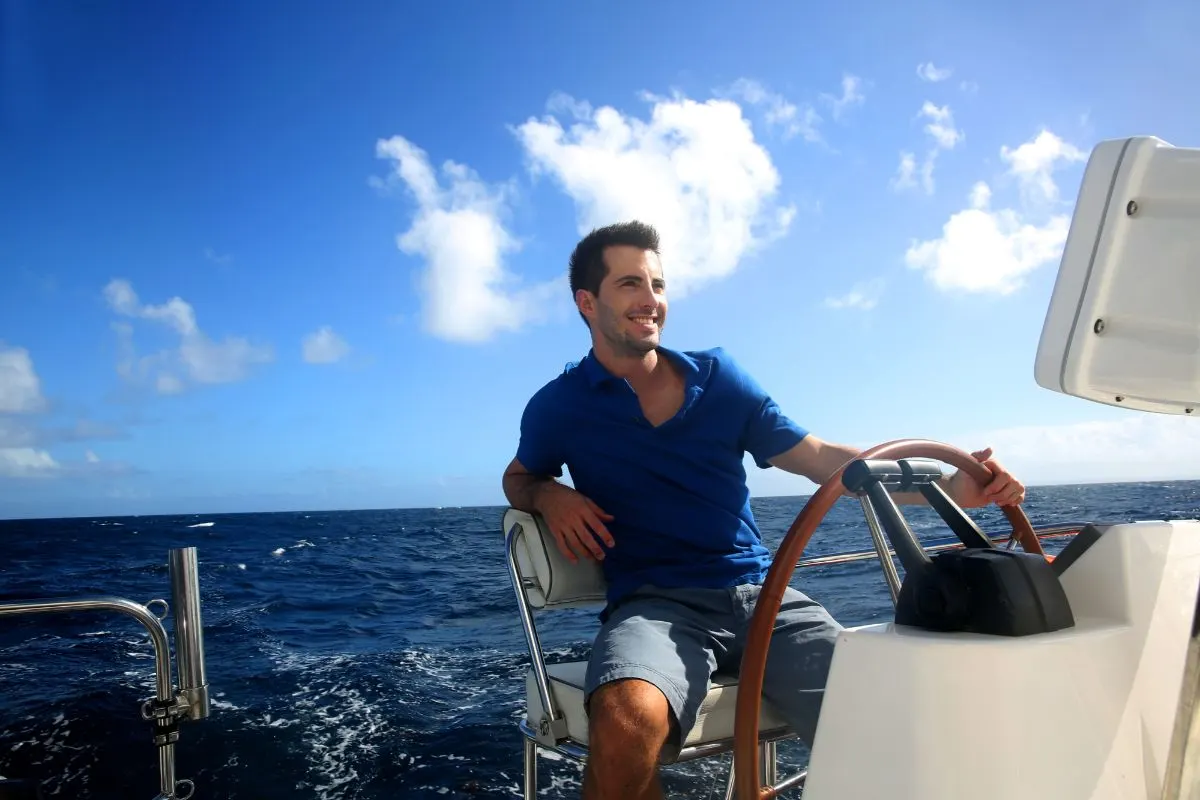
645 320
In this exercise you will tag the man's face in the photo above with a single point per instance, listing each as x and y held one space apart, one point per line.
631 308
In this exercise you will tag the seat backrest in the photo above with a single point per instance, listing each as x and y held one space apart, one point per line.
549 579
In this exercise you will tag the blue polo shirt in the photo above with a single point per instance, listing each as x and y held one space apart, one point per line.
677 492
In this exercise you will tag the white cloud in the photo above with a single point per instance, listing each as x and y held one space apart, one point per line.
908 172
20 388
851 96
323 346
469 294
945 135
91 457
1140 446
863 296
692 169
941 125
981 195
928 72
198 358
779 112
985 250
26 462
1034 162
905 173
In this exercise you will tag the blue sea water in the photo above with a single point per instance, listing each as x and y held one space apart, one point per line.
356 654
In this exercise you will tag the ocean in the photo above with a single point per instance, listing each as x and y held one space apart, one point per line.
357 654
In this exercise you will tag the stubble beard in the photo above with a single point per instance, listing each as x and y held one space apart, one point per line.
625 345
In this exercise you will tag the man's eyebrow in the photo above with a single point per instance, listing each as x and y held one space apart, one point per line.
638 278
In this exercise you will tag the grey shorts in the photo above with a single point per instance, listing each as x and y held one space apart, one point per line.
677 638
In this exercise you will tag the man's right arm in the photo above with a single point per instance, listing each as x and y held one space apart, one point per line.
523 488
576 522
529 483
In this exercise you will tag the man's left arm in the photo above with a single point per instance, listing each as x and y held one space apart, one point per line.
776 440
819 461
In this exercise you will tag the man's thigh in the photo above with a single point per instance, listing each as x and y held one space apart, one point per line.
669 638
798 661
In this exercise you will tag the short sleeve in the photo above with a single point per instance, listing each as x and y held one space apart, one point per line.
541 449
770 432
767 431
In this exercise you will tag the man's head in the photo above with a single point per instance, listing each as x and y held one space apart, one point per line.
617 280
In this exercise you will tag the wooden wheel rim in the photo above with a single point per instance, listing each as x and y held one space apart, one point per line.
758 640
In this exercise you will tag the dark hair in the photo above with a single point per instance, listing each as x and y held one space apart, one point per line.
587 268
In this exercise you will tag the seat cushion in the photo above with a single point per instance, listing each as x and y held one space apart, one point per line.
713 723
554 581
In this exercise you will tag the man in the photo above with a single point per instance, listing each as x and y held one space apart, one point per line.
654 440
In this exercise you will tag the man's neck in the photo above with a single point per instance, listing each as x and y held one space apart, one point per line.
638 370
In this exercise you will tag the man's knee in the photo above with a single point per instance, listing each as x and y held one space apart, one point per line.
627 715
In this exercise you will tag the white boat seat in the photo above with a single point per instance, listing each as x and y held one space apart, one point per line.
549 581
713 724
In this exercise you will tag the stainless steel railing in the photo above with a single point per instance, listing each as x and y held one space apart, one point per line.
168 707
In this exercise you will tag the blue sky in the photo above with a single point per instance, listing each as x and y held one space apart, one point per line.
268 257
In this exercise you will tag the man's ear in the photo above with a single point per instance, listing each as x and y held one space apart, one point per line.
585 301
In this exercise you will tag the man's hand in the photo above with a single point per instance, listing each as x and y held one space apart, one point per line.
1003 489
576 522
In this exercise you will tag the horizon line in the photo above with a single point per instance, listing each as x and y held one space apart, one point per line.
498 506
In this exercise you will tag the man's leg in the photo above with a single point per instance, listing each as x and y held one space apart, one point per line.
647 677
798 660
630 724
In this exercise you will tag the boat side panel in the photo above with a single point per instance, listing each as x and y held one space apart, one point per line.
1084 713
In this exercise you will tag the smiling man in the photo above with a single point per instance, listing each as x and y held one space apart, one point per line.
655 439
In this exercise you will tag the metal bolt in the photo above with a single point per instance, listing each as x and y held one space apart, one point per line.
1187 410
1098 327
1120 399
1131 207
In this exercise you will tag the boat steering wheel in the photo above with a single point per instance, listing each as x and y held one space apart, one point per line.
790 551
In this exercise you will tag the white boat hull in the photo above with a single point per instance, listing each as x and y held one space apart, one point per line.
1085 713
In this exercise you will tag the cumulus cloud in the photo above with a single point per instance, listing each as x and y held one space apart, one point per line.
778 111
31 463
908 173
20 388
1034 162
459 231
986 250
928 72
863 296
323 346
944 135
692 169
26 462
941 125
23 440
198 358
20 393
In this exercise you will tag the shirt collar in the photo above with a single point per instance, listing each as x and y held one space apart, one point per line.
597 374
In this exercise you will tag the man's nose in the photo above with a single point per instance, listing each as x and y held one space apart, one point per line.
646 297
